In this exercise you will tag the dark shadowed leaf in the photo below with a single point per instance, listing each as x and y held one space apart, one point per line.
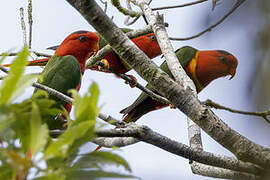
101 158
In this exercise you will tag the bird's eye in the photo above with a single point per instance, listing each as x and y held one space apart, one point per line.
153 38
223 59
82 38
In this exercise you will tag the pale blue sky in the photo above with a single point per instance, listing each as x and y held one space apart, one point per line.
54 20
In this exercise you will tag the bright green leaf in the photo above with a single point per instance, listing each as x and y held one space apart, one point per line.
16 71
39 133
64 141
85 108
25 81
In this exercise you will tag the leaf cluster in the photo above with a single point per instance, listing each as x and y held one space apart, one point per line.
27 151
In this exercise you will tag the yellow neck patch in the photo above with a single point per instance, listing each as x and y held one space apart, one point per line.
192 69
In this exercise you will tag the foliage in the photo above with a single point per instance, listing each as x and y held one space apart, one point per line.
27 151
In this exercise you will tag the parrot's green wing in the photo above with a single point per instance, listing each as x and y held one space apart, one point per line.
61 74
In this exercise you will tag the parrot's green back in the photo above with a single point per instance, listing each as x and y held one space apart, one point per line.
61 74
140 106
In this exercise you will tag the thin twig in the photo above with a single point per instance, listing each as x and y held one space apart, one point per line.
236 5
3 69
37 53
126 22
128 12
30 22
23 26
132 22
215 105
150 93
179 6
105 5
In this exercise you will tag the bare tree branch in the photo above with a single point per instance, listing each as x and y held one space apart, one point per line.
145 134
30 22
37 53
215 172
133 133
105 5
128 12
179 6
263 114
236 5
23 26
115 141
180 96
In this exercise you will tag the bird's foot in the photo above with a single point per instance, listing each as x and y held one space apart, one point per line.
103 64
133 81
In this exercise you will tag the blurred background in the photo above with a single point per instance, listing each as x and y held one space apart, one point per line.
245 34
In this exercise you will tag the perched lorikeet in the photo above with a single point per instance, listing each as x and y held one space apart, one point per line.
201 66
66 66
147 43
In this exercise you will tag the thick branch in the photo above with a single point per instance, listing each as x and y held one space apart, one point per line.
210 171
180 96
115 142
147 135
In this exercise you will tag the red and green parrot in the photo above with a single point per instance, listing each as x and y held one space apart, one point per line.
65 68
147 43
201 66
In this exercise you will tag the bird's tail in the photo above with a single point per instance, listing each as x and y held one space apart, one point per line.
136 111
38 62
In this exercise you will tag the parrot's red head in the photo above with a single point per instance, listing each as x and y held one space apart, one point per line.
80 44
214 64
148 44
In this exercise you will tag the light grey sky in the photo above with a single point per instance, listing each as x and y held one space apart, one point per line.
54 20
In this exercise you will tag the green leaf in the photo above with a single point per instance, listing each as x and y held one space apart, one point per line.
61 145
24 81
6 117
85 108
51 176
15 73
4 55
102 158
39 133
